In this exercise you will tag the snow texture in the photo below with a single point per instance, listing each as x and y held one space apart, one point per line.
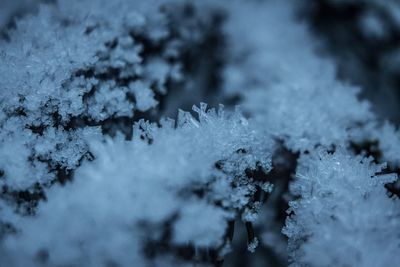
66 73
94 173
343 216
141 186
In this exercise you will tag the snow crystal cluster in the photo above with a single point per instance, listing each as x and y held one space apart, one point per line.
294 96
343 208
135 192
101 166
67 76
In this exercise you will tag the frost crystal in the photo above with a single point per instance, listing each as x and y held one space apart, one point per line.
253 245
343 216
73 71
94 172
197 168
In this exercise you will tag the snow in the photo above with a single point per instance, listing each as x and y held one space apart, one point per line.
343 216
85 87
138 184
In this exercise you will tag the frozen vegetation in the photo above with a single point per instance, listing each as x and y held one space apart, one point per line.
110 156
